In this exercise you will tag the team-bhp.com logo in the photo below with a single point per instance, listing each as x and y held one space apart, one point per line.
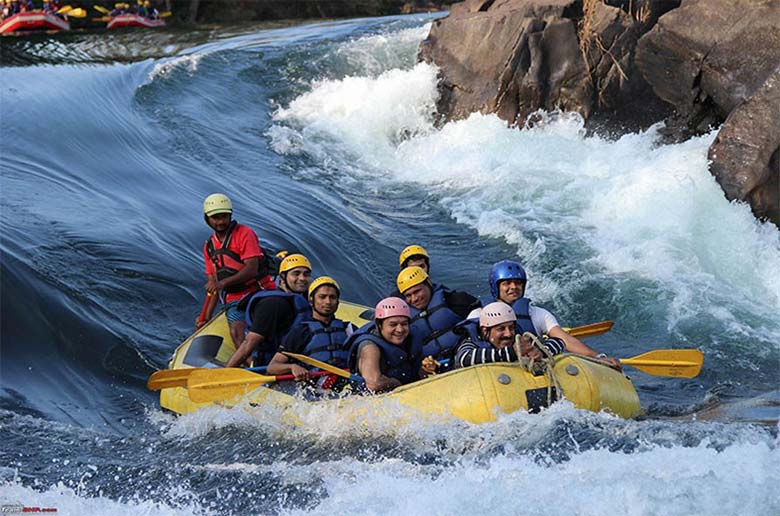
15 508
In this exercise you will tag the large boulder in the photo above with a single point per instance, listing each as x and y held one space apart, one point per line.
717 60
745 155
512 57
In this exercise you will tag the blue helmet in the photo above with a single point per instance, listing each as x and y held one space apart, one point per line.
504 270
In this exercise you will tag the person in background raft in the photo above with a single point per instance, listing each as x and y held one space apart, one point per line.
507 281
271 313
321 338
386 355
233 262
435 311
493 338
140 10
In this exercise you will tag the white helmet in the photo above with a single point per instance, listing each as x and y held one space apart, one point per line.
496 313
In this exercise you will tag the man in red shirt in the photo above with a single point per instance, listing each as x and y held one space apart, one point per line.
233 257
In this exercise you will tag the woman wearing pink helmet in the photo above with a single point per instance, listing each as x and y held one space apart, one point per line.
386 355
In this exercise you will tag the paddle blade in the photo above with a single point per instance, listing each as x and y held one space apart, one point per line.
165 14
590 330
677 363
77 13
101 9
168 378
206 385
64 9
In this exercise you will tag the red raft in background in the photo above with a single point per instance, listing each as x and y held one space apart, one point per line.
133 20
33 21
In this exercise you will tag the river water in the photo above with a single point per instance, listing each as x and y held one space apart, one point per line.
324 137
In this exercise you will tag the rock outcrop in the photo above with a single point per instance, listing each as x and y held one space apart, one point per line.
718 61
709 62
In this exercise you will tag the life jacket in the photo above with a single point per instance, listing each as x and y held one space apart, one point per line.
399 362
434 325
523 324
263 280
469 328
326 343
263 354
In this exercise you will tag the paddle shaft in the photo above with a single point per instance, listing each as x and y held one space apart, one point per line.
208 308
325 366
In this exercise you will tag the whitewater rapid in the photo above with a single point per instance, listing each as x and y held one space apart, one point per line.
627 228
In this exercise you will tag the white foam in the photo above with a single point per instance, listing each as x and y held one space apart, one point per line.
65 501
672 480
189 62
377 53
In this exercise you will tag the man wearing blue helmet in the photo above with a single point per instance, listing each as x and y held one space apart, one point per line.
507 281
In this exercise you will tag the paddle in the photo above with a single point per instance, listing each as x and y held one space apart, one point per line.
324 366
101 19
77 13
590 330
168 378
206 385
164 14
64 9
101 9
678 363
208 308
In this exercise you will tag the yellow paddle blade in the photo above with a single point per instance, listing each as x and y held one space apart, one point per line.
678 363
64 9
165 14
322 365
204 385
590 330
77 13
167 378
101 9
101 19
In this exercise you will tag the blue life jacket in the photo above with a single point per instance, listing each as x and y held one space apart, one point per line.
434 325
326 343
469 328
263 354
399 362
523 324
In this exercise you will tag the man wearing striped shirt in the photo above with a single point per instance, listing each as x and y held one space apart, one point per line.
494 340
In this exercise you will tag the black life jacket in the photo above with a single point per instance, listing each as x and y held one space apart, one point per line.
217 256
263 354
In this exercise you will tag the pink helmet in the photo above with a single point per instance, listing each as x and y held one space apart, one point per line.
496 313
391 306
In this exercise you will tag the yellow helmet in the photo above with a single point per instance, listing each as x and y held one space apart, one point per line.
217 203
292 261
412 250
409 277
323 280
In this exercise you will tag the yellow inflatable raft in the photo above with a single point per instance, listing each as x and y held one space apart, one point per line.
475 394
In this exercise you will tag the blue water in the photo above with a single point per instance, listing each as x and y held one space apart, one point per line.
324 137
